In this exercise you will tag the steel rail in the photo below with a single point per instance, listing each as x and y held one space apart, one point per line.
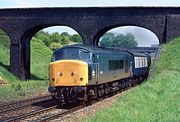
23 116
51 117
23 103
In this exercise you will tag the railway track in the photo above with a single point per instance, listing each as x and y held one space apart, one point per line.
51 111
22 103
68 111
41 114
30 114
60 114
15 109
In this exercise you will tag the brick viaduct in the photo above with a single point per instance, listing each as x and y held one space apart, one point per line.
91 23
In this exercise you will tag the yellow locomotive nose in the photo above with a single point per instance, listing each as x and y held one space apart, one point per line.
68 73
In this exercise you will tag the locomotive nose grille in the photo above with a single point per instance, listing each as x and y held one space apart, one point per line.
69 73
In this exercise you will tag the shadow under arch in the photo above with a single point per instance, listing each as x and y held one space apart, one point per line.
5 43
109 28
25 42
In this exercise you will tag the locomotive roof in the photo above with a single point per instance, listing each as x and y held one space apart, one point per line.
82 46
95 49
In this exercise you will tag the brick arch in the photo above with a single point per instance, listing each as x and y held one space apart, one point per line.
30 32
25 42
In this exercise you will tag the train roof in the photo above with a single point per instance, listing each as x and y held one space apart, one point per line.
95 49
83 46
138 54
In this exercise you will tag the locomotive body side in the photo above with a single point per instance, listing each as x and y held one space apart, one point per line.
113 66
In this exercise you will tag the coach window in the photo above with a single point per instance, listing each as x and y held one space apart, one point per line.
139 62
144 62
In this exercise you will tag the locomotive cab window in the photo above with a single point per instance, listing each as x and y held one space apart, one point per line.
71 53
57 56
84 54
68 53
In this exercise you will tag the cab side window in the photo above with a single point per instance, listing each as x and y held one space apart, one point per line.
57 56
84 54
116 64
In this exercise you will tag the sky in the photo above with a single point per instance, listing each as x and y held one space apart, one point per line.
85 3
140 34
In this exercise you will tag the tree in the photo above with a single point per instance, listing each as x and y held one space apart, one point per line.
107 39
56 40
44 37
55 37
110 40
76 38
65 34
64 40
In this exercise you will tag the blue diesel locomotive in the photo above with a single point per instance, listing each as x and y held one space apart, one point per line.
82 72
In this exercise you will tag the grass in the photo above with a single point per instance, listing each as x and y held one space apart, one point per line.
157 100
40 59
22 90
16 89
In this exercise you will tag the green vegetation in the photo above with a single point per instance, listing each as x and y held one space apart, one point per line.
56 40
157 100
4 56
40 59
14 88
42 45
120 40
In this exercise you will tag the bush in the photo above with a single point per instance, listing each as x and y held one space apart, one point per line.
53 46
